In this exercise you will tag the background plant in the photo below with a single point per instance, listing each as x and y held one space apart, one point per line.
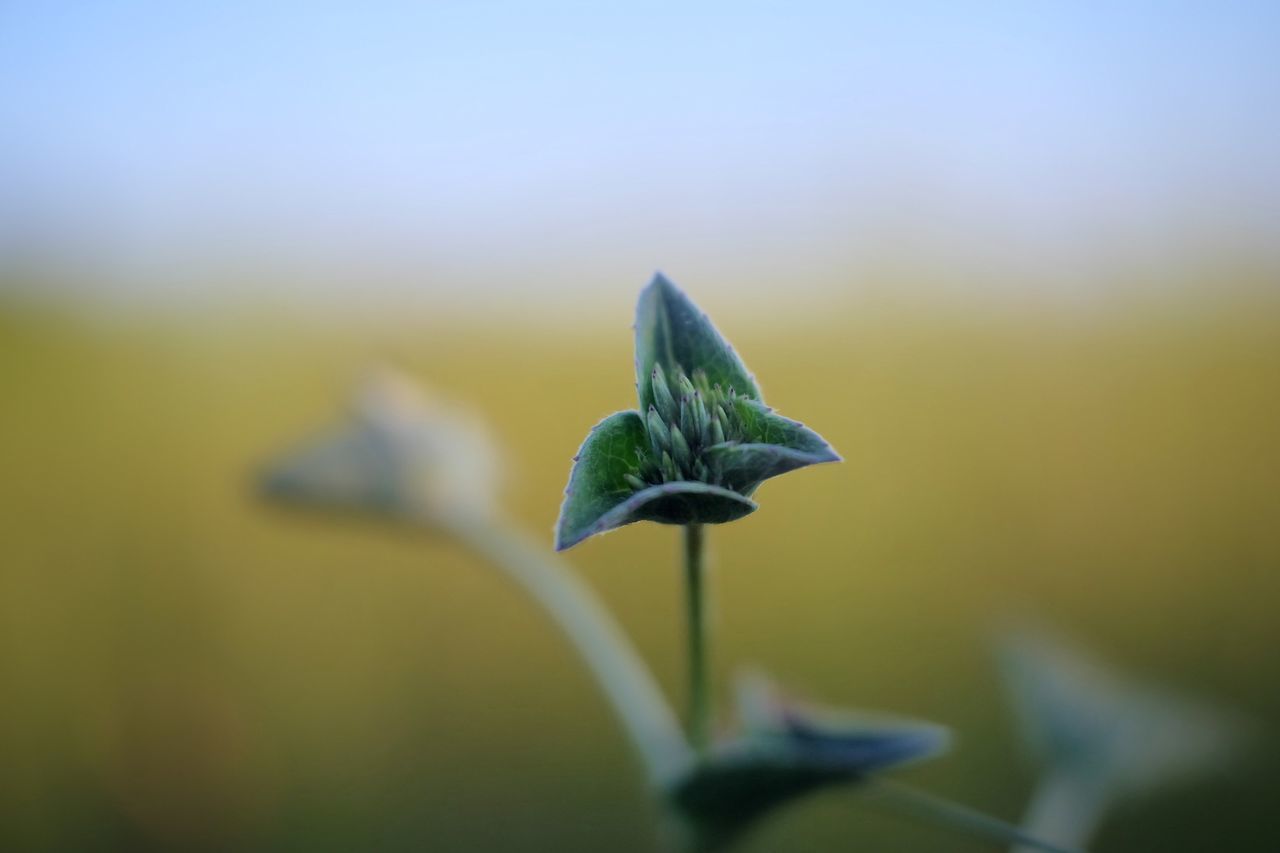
1099 737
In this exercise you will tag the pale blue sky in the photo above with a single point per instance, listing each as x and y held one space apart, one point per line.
476 142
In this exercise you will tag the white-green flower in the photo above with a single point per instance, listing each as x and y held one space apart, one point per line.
397 452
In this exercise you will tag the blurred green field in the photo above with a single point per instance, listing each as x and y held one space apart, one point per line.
182 668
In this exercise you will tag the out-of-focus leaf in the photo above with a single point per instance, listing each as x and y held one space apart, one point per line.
1128 737
784 750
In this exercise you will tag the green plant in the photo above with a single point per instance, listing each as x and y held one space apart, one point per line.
694 454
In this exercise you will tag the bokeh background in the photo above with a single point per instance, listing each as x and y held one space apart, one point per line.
1018 262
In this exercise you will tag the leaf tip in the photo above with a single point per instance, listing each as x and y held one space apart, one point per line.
660 280
827 454
563 543
562 536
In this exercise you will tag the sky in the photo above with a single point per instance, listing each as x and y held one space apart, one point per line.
158 148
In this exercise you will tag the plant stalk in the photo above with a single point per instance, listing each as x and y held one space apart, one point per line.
700 711
927 807
622 675
1065 808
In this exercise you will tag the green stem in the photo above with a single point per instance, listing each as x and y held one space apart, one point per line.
921 805
699 693
625 680
1065 808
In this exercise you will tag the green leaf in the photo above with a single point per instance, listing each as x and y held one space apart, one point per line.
684 502
741 782
673 332
775 445
1120 734
786 750
597 483
599 498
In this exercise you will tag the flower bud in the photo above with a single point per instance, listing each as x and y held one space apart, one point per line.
684 386
686 417
397 453
662 398
680 449
722 420
717 431
669 471
701 427
701 381
659 435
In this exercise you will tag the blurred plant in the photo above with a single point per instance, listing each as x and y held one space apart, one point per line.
696 458
784 749
1100 737
433 465
397 453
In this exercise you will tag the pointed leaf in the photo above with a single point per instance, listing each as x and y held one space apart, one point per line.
787 750
1125 735
673 332
741 782
849 739
597 482
776 445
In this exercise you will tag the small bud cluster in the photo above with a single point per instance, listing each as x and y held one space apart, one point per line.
682 422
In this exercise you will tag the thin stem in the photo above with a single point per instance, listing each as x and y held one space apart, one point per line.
952 815
1065 808
699 692
622 675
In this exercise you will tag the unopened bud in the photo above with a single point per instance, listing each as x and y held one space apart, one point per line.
686 416
701 427
669 471
680 449
717 432
722 420
662 398
659 435
684 386
700 380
